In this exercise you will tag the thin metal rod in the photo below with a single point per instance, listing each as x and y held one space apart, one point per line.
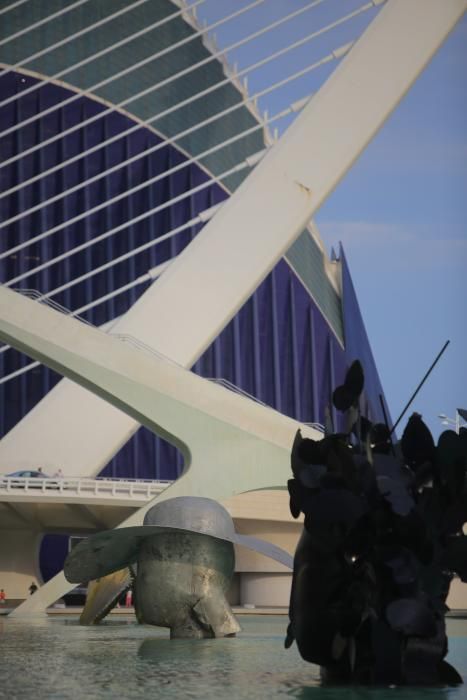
40 22
152 274
126 287
181 134
420 385
100 53
13 6
296 106
201 218
167 81
67 40
337 53
142 216
130 69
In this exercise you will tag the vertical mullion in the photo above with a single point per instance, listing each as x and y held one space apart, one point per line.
332 378
87 222
314 374
43 244
293 335
237 354
257 383
218 358
131 229
275 345
157 465
111 272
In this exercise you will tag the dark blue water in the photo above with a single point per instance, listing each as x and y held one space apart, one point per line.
56 658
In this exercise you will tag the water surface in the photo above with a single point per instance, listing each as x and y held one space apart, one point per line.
56 658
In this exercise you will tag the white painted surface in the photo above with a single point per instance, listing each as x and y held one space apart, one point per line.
268 590
195 298
19 561
231 444
457 598
189 411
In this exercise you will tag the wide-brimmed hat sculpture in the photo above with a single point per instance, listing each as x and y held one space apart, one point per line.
185 560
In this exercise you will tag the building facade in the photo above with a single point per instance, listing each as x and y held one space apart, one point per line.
102 156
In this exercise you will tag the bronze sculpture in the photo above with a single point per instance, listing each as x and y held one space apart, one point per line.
184 556
382 540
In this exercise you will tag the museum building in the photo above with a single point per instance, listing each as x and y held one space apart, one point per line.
116 150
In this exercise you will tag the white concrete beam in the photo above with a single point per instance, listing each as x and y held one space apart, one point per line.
19 560
231 444
196 297
207 284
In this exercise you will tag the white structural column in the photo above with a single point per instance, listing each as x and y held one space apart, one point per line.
19 558
231 444
195 298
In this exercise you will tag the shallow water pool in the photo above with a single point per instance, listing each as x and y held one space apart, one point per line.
55 657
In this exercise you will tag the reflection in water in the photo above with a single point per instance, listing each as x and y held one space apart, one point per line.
317 692
57 658
212 661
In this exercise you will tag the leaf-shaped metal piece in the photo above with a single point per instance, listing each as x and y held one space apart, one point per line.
417 442
452 462
395 493
354 379
412 617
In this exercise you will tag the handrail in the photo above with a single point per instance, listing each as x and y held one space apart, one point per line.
100 486
238 390
35 295
316 426
140 345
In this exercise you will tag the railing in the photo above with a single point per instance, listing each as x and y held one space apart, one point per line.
78 486
316 426
35 295
238 390
140 345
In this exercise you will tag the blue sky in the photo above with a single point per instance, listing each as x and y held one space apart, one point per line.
402 216
401 212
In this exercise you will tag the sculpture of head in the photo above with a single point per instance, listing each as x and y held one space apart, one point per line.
185 571
185 559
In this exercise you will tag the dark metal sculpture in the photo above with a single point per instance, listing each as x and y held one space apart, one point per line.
184 556
382 540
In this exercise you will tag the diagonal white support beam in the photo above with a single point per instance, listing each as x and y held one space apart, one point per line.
231 444
187 307
244 240
189 411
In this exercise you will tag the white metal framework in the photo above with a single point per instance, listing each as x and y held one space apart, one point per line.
21 488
